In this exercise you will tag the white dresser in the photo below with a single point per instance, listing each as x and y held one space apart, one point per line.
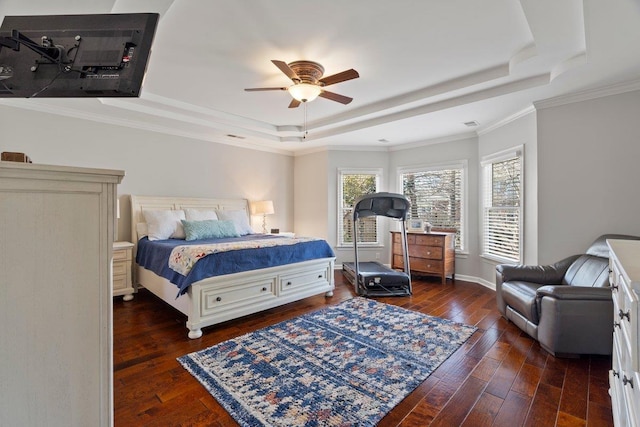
56 232
624 377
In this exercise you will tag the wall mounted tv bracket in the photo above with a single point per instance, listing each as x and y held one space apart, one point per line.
50 53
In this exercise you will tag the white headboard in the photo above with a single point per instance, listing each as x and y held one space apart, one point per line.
141 203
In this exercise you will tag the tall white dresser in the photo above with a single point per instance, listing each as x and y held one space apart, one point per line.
56 231
624 377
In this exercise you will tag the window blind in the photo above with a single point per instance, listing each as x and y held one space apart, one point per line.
502 211
353 185
436 196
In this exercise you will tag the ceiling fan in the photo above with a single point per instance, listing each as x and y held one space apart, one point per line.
308 82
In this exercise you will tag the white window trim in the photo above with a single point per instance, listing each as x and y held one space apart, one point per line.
378 172
456 164
517 151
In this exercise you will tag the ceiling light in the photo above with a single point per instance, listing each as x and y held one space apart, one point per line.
304 92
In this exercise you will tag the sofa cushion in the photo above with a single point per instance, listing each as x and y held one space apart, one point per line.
588 270
521 296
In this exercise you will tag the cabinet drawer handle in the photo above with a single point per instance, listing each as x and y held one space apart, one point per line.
219 299
622 315
616 374
616 325
626 381
614 287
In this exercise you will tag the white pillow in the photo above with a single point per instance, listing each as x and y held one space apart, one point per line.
142 230
239 218
164 224
199 215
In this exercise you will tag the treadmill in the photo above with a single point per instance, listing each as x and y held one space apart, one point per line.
371 278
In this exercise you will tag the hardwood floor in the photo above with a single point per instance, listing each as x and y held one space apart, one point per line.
499 377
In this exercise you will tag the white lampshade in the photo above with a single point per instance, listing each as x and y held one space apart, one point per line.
263 207
304 92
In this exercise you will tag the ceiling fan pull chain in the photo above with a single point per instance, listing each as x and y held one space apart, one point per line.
304 135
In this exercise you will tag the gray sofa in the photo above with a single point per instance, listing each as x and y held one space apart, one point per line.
566 306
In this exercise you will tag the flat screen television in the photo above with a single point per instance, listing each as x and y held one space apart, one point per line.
68 56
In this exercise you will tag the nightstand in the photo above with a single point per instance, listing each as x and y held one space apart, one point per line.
122 260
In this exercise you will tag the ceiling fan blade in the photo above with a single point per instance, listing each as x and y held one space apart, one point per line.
256 89
294 103
286 69
340 77
335 97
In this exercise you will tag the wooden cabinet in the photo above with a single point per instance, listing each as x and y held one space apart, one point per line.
122 260
56 232
624 377
430 254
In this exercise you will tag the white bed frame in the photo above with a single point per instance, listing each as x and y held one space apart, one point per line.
221 298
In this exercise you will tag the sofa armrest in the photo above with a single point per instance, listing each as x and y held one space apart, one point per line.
565 292
575 319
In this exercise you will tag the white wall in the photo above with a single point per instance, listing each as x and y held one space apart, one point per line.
588 174
311 195
154 164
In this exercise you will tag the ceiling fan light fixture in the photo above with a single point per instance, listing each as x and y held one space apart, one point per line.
304 92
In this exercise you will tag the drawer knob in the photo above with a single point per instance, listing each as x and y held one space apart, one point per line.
622 315
219 299
319 276
264 288
288 283
626 381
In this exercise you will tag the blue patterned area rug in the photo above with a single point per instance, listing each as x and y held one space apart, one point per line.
344 365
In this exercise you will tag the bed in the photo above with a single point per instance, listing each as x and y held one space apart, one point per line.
211 300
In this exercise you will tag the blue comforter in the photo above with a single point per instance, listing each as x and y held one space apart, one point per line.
154 256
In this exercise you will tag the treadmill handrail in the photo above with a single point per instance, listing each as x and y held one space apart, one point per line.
391 205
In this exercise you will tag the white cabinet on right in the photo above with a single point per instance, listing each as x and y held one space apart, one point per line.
624 377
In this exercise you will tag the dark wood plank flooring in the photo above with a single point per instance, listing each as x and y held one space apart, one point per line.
500 377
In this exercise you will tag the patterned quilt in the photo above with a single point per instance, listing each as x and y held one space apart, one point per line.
183 258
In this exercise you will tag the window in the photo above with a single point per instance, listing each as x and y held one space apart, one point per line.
436 194
351 185
502 206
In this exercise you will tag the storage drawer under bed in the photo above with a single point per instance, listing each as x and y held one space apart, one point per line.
292 282
236 295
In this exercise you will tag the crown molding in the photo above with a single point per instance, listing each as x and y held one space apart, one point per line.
585 95
441 140
500 123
